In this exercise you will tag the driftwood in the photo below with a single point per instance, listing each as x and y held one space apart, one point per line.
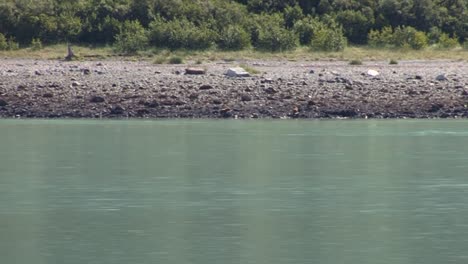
70 54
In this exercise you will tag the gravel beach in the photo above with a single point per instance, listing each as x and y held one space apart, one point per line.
283 89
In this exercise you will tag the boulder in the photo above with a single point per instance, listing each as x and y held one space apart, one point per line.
237 72
3 103
373 73
195 71
97 99
441 77
206 87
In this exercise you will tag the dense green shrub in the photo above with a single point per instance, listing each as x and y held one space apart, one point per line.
380 38
3 42
329 39
409 37
234 38
355 25
305 29
292 15
434 35
400 37
132 38
36 44
446 42
12 44
180 34
269 34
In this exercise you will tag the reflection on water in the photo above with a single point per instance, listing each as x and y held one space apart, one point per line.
233 192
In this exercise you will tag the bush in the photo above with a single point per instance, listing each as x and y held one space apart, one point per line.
446 42
12 44
180 34
409 36
355 62
3 42
132 38
393 62
36 44
234 38
176 60
329 39
434 35
276 39
269 34
382 38
400 37
305 29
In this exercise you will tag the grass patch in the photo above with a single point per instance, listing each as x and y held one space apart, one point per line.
249 69
393 62
176 60
362 53
355 62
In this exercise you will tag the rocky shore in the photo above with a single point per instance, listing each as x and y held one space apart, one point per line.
281 89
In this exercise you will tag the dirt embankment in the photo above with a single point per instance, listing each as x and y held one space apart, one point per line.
117 89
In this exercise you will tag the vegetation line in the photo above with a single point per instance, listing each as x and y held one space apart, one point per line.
132 27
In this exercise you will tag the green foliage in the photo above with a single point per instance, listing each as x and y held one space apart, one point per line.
180 34
382 38
12 44
237 24
329 39
3 42
269 34
400 37
393 62
176 60
409 36
434 35
305 29
234 38
446 42
292 15
355 62
132 38
36 44
356 25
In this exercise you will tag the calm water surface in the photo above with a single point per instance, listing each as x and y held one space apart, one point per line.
221 192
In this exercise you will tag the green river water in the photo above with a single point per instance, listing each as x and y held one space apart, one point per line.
225 192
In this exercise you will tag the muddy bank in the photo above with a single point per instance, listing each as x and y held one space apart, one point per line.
116 89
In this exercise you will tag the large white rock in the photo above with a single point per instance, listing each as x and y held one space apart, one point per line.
373 73
237 72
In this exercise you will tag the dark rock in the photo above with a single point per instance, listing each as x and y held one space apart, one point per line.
217 101
152 104
48 95
97 99
418 77
435 108
311 71
117 110
248 89
465 93
246 98
37 72
3 103
193 96
270 90
86 71
226 112
267 81
441 77
195 71
206 87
